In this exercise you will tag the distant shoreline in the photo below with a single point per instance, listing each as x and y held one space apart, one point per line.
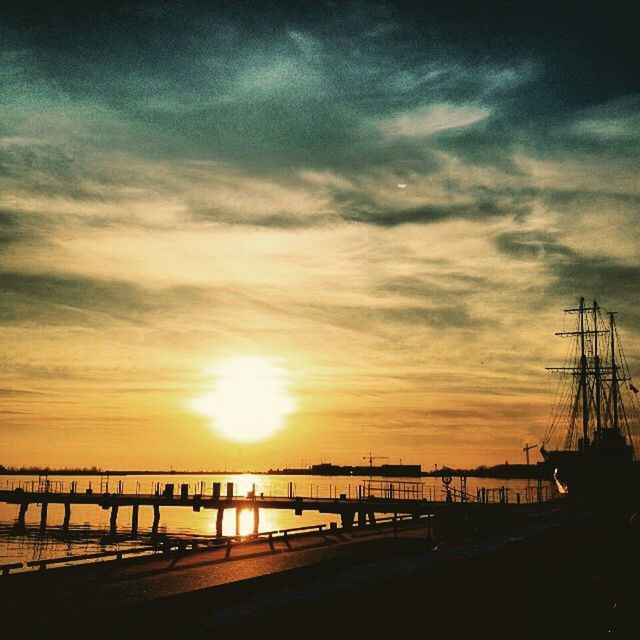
508 471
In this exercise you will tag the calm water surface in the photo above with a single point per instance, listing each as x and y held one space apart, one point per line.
89 527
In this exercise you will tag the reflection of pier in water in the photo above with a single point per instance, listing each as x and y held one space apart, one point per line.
370 498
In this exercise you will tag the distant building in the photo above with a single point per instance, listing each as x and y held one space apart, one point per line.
385 470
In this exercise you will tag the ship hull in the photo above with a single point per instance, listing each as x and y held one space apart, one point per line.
579 477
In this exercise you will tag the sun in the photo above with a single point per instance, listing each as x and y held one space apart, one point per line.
250 400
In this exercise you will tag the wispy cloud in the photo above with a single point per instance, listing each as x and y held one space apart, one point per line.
431 119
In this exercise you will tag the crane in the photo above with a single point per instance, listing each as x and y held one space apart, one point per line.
527 448
371 458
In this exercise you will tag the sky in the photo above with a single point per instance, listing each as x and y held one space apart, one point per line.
390 204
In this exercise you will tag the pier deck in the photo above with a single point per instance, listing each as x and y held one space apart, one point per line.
363 507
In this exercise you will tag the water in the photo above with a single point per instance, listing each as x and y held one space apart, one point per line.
89 526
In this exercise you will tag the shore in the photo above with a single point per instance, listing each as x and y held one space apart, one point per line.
570 569
501 471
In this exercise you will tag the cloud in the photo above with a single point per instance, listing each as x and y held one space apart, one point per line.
9 229
57 300
432 119
429 214
18 392
531 245
615 121
613 284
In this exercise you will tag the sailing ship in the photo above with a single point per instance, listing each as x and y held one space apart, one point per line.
592 434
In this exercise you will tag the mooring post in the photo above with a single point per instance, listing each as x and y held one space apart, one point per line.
219 518
134 518
238 510
67 516
156 517
362 518
113 520
43 515
256 519
372 518
22 514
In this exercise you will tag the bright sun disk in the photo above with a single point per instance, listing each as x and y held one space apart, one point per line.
250 400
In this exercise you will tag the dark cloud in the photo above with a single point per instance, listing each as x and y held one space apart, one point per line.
8 392
277 221
383 319
9 230
75 300
614 284
447 287
430 214
20 160
530 245
562 198
298 85
55 300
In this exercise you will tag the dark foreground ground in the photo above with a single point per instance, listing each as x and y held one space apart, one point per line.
569 571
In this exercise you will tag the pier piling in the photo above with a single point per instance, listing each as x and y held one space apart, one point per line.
238 511
346 519
67 516
113 520
256 520
22 514
156 518
134 519
219 519
43 515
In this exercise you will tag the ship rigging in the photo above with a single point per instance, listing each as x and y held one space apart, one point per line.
595 422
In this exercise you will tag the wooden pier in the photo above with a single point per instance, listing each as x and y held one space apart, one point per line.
387 498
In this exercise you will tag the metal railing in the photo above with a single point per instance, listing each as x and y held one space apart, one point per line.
369 489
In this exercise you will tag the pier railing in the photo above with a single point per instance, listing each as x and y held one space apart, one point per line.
368 489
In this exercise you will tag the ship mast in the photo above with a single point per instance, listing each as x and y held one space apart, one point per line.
609 432
614 371
597 370
583 384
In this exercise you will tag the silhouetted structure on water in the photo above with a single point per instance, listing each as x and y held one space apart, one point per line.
590 441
